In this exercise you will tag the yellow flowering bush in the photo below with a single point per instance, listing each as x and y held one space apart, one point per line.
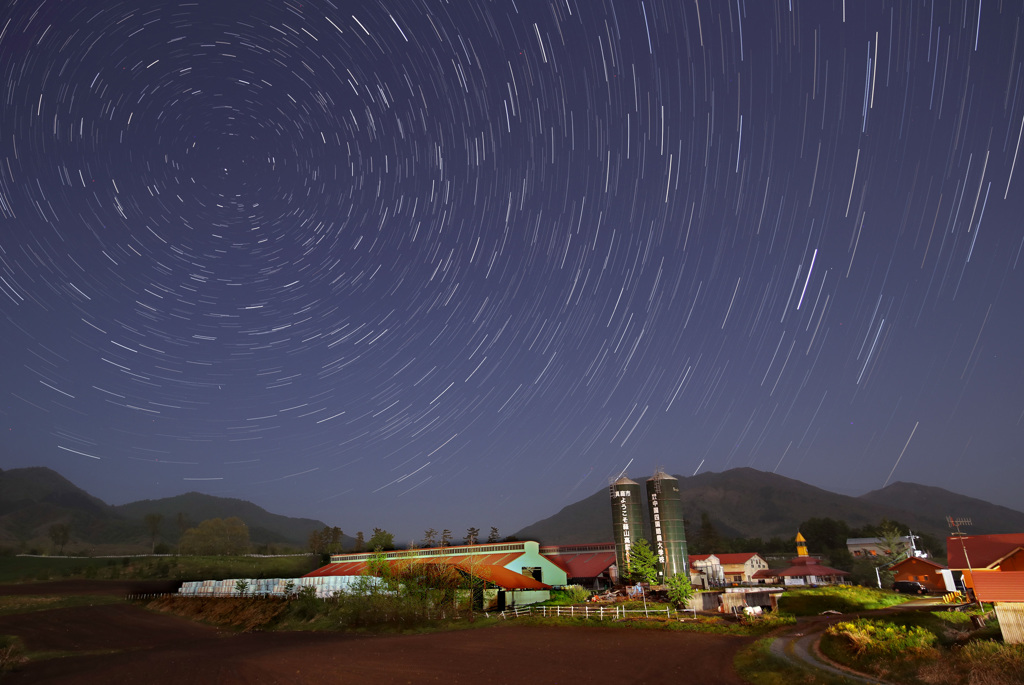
869 637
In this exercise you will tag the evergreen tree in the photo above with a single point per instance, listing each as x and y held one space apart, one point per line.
642 566
335 540
708 541
381 540
153 526
679 589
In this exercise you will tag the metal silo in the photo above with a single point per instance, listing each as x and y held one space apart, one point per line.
627 519
667 531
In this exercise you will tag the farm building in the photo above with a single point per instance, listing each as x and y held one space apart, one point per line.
274 587
974 555
924 571
809 571
716 570
591 566
520 573
806 570
877 547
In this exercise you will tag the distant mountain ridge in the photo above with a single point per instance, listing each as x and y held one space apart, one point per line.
34 498
748 503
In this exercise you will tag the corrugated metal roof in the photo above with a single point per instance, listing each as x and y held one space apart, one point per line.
488 567
999 586
983 550
349 568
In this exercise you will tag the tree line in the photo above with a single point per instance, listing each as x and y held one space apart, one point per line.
329 540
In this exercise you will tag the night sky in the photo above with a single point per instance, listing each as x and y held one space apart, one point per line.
446 264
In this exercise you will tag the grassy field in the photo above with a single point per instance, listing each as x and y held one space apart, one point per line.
936 648
842 598
16 569
21 604
757 665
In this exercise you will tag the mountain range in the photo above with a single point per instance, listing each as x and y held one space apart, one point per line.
35 498
748 503
741 502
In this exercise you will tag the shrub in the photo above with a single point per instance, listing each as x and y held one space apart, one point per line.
570 594
768 621
679 589
11 652
307 605
842 598
872 638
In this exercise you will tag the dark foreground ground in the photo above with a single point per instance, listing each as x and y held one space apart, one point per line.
118 643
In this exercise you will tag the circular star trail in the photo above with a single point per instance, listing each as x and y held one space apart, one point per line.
459 263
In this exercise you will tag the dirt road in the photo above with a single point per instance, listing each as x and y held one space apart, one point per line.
127 644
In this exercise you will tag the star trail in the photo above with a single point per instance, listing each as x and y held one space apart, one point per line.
428 263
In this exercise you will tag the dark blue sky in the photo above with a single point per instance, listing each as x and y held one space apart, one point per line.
450 264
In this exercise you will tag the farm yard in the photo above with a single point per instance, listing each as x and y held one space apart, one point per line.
106 641
87 631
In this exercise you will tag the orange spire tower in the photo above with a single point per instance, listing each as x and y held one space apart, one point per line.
801 545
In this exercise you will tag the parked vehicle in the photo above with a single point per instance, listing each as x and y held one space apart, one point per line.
909 587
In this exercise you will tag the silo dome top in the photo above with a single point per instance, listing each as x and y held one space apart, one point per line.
625 481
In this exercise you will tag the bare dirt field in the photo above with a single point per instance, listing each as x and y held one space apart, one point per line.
127 644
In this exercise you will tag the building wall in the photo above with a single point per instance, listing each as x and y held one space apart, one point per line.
747 569
532 558
874 547
520 598
1013 563
914 569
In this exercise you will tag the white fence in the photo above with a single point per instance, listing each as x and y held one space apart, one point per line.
600 612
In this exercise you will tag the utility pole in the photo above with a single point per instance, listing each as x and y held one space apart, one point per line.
955 524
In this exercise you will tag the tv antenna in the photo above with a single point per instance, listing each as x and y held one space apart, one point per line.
955 523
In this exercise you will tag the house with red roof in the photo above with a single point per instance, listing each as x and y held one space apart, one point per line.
993 569
716 570
806 570
924 571
810 571
974 554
